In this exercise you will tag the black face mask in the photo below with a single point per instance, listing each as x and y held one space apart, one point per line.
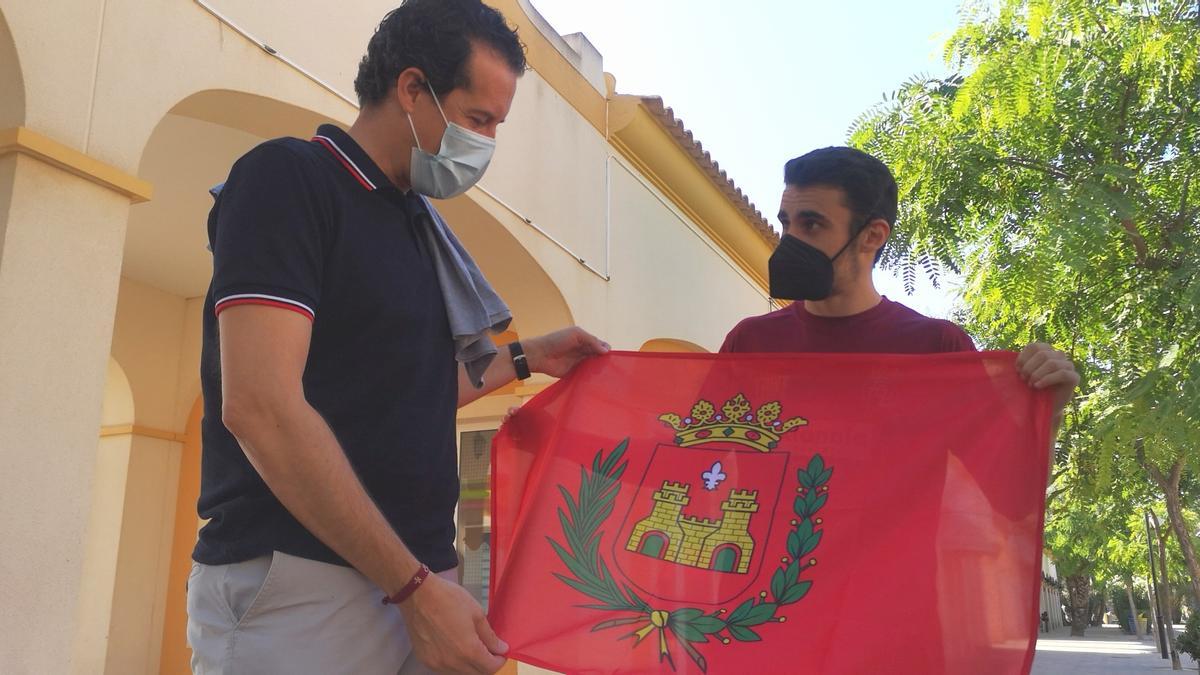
800 271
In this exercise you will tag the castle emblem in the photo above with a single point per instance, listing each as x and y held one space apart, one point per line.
699 525
723 545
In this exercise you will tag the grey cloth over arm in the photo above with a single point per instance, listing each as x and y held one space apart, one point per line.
472 305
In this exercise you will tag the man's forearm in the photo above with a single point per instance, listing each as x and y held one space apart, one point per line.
553 354
302 463
499 373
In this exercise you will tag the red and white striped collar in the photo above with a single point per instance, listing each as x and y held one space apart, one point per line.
352 157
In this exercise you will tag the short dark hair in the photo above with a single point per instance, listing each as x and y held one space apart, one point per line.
435 36
867 183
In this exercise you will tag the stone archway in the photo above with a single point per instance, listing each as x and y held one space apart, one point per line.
191 149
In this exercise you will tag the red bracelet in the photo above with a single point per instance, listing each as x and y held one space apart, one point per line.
409 588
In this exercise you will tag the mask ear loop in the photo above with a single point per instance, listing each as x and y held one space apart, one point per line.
437 102
440 112
414 131
870 216
851 240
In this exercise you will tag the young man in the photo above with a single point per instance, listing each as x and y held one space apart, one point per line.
838 208
343 327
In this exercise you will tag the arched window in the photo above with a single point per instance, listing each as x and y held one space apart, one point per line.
725 558
654 544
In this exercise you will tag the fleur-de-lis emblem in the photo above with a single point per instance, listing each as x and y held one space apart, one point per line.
713 477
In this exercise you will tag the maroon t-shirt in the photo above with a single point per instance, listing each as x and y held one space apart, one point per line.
886 328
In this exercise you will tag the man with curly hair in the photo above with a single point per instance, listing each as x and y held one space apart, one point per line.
343 327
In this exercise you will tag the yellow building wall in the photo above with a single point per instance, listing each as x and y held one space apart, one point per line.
58 274
143 557
134 493
176 655
541 136
104 523
12 104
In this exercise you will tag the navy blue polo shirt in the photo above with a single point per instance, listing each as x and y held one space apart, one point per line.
315 227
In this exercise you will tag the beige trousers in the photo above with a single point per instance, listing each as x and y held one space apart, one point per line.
284 614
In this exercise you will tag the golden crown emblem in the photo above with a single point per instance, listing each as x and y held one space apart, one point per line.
735 423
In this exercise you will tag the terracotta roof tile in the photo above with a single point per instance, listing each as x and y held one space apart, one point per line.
687 141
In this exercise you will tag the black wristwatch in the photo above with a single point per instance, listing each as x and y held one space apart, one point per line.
518 359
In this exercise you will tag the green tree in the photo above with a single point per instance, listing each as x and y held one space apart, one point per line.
1076 530
1122 559
1057 171
1189 642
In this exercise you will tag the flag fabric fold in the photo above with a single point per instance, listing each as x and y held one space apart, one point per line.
812 513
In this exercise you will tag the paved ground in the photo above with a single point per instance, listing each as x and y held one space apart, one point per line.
1102 651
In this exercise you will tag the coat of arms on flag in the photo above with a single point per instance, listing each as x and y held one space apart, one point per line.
704 545
736 535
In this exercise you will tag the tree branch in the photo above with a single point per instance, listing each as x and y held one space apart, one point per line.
1141 250
1123 120
1096 18
1036 166
1177 224
1051 497
1178 13
1155 474
1098 57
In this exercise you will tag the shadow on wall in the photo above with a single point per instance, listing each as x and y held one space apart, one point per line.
12 100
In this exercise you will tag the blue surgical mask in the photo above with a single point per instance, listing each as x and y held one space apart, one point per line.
457 166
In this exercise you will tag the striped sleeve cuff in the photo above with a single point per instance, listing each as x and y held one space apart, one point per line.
261 299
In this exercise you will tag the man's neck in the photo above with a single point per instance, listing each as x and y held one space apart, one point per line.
378 137
846 303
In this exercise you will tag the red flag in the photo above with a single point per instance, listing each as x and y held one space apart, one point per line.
773 514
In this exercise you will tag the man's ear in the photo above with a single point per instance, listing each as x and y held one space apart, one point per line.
876 235
410 84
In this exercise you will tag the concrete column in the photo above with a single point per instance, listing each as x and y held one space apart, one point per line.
62 233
